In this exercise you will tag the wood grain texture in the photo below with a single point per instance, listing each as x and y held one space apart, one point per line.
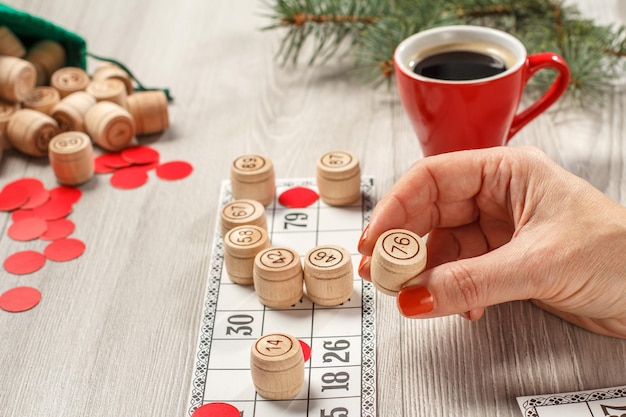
115 333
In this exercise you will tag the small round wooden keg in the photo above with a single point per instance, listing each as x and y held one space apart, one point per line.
71 111
399 255
252 177
30 131
278 279
112 90
10 45
7 109
241 213
71 157
277 366
107 71
110 126
17 78
43 99
149 109
47 56
328 275
69 80
339 178
241 245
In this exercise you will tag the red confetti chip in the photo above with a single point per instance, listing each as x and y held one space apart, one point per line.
19 299
298 197
140 154
101 168
24 262
65 193
174 170
27 229
306 350
64 249
127 178
13 198
20 214
216 410
37 198
53 209
58 229
147 167
113 160
29 184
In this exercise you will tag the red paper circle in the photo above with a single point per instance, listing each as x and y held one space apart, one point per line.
174 170
24 262
20 214
53 209
140 154
65 249
216 410
127 178
58 229
65 193
19 299
28 184
298 197
100 167
13 198
113 160
27 229
37 198
306 350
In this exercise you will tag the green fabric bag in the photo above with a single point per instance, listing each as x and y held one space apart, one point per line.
30 29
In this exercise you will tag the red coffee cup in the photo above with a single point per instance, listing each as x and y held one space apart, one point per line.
458 113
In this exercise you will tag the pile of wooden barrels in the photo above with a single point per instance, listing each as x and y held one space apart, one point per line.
48 109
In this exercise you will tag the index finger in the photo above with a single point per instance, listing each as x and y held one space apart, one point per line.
439 191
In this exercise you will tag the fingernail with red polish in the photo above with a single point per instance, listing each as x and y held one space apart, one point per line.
364 269
363 237
413 301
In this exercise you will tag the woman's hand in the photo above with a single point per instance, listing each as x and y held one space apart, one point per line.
508 224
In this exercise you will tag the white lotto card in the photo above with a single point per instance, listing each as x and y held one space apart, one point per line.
605 402
339 342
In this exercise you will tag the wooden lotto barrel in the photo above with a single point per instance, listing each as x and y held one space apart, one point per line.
7 109
110 126
17 78
10 45
43 99
149 110
399 255
277 275
241 245
71 111
30 131
71 158
47 56
252 177
339 178
277 366
69 80
107 71
328 275
241 213
112 90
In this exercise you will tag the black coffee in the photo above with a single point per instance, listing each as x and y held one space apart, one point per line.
459 66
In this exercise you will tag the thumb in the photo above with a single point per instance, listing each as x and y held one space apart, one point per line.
466 285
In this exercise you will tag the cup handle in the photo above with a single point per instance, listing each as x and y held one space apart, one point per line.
535 63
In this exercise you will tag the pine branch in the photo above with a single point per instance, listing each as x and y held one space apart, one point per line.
374 28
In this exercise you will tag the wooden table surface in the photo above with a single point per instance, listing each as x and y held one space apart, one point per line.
115 333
